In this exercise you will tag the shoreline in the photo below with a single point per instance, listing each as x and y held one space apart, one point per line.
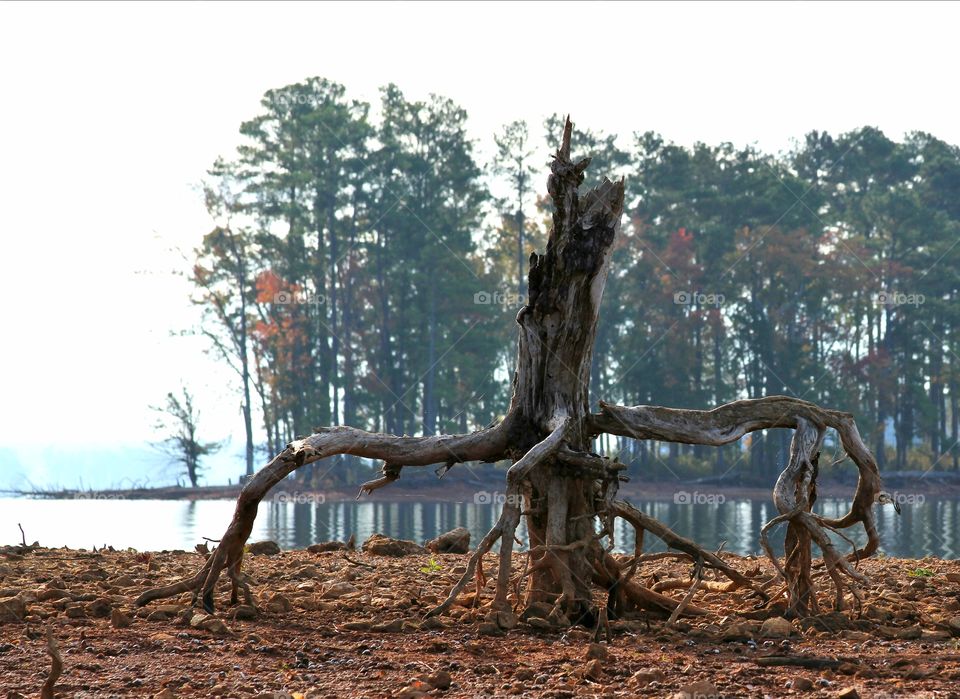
484 492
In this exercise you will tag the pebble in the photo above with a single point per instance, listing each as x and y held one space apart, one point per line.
697 690
777 627
264 548
597 651
593 670
12 609
119 620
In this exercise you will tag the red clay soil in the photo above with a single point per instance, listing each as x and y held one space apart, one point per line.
336 626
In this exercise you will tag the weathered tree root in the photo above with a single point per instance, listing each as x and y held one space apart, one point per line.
548 432
56 666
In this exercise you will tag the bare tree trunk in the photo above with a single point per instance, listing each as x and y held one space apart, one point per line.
556 481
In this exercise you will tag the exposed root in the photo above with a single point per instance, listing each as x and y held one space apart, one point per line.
395 451
56 668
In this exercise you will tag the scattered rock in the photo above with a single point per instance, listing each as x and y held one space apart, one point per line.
505 620
165 694
52 594
454 541
777 627
440 680
592 671
697 690
596 651
278 604
75 610
264 548
803 684
645 677
99 608
953 577
123 581
337 590
209 623
905 633
119 620
358 625
954 625
394 626
488 628
327 546
243 612
12 609
380 545
848 693
738 631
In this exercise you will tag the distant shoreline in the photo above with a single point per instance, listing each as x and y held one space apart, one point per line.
946 485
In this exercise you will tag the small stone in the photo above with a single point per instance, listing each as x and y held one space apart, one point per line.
454 541
278 604
380 545
440 680
327 546
539 623
119 620
953 624
307 572
75 610
394 626
907 633
337 590
243 612
12 609
593 670
99 608
433 622
953 577
123 581
358 625
209 623
488 628
776 627
697 690
597 651
848 693
165 694
645 677
264 548
803 684
504 619
52 594
738 631
158 615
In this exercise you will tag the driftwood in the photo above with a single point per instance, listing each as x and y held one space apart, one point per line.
556 481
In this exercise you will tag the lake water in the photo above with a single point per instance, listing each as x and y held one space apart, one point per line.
931 528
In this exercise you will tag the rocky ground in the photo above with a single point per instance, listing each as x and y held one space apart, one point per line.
350 624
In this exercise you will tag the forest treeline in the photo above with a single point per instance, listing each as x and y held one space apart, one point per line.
367 270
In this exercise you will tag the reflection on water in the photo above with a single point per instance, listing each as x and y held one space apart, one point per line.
928 529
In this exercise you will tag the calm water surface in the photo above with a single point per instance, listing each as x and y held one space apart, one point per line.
928 529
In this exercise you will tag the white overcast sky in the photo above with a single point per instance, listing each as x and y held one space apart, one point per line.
110 114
